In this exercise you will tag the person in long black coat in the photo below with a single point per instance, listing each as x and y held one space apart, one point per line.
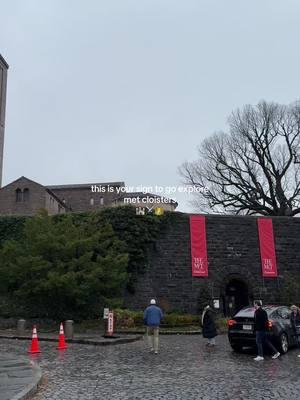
295 322
209 330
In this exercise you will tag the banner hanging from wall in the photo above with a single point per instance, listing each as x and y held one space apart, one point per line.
267 247
198 245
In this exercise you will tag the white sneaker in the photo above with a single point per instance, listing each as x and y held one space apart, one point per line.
298 355
258 358
276 356
156 352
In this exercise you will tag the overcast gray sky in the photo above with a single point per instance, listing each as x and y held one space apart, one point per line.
125 90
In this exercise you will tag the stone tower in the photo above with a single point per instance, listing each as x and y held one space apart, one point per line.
3 80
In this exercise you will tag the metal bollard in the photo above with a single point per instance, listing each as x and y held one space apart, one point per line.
21 327
69 329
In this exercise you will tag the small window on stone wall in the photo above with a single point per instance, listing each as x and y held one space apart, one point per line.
18 195
26 194
101 201
91 201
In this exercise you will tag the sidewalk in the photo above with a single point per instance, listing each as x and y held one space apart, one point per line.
19 377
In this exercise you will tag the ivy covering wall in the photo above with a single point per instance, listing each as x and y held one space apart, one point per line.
71 265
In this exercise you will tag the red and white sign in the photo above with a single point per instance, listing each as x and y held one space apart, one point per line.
110 323
267 247
198 246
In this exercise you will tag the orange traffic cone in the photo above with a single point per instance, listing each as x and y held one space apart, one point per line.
34 348
61 340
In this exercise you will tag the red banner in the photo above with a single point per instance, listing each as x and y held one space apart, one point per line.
267 247
198 245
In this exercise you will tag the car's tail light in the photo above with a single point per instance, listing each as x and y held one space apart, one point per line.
270 324
231 322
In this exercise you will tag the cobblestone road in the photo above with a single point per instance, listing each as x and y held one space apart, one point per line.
184 369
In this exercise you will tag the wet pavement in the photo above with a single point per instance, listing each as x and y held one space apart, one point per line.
184 369
18 375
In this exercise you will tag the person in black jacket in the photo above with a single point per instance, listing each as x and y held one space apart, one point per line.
295 322
261 326
209 330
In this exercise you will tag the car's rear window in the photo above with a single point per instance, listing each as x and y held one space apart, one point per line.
249 311
246 312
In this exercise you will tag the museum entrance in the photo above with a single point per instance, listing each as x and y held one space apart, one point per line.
236 297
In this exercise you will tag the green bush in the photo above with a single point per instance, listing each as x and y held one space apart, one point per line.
222 324
11 228
138 233
138 318
126 318
174 319
62 270
71 265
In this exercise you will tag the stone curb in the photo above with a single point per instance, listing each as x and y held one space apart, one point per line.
31 388
94 342
165 333
173 333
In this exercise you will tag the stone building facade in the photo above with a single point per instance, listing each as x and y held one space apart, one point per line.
3 84
82 197
26 197
234 265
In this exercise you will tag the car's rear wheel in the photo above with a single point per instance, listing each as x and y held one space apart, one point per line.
283 343
236 347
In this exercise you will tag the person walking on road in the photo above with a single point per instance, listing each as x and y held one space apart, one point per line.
261 326
295 322
209 330
152 318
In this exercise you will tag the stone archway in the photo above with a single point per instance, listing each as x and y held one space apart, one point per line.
235 295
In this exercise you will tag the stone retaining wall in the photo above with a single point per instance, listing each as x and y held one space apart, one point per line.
233 253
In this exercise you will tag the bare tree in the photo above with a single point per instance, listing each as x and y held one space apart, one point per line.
253 169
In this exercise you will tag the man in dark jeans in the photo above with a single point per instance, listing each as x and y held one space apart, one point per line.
260 324
295 322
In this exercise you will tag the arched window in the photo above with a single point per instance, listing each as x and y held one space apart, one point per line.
91 201
18 195
26 194
101 201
